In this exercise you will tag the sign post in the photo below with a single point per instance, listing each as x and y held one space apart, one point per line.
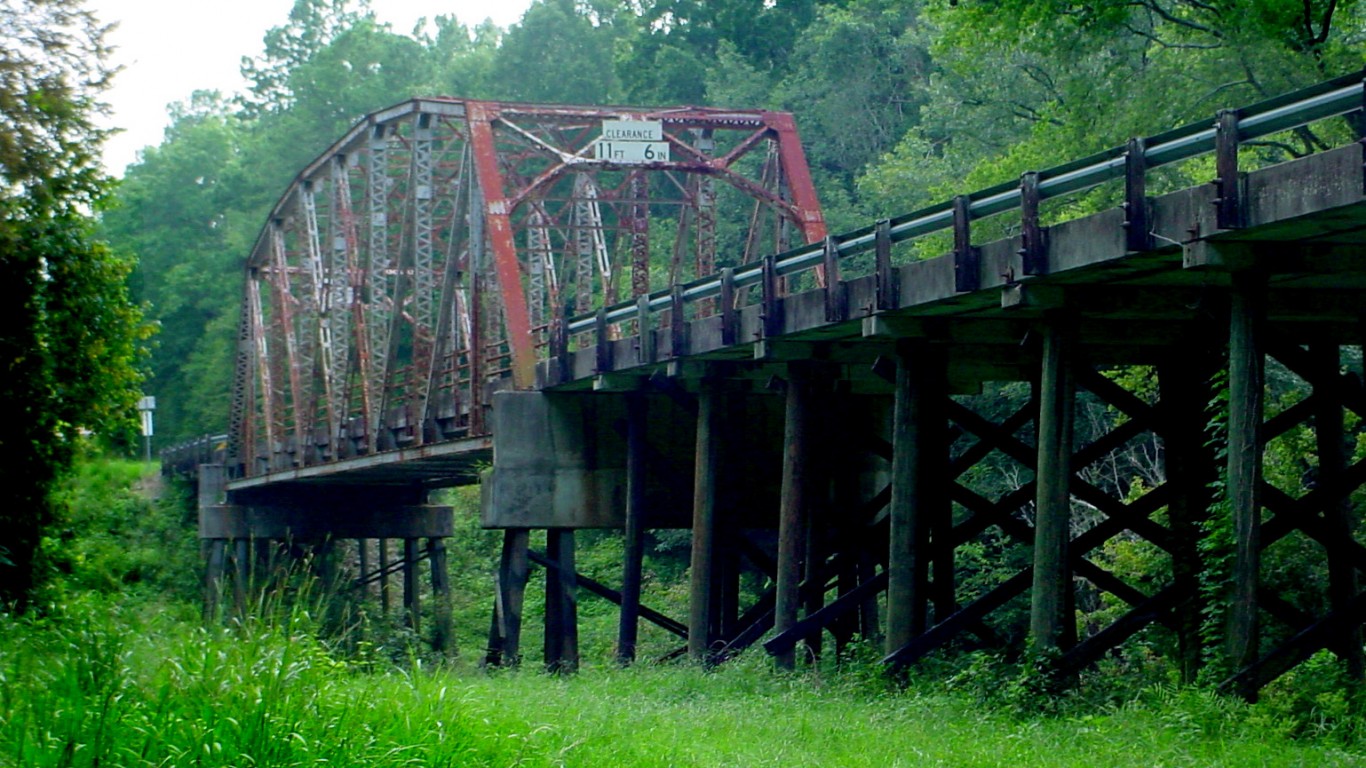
145 407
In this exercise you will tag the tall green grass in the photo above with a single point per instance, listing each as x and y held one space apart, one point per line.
114 672
103 684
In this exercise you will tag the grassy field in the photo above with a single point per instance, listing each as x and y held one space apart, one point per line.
108 685
119 671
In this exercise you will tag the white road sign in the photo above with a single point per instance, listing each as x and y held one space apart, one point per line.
632 152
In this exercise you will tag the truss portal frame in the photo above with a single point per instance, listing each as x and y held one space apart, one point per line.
421 261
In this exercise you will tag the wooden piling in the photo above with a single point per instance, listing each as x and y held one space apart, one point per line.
505 635
561 603
442 631
241 561
628 629
706 466
918 474
1051 623
792 514
384 600
1245 405
1189 462
1328 431
411 600
215 566
362 584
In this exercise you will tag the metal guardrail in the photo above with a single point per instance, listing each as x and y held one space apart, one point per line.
185 457
1331 98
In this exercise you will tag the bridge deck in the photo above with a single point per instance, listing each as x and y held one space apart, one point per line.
1305 223
437 465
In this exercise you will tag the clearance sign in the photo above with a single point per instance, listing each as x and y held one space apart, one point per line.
632 142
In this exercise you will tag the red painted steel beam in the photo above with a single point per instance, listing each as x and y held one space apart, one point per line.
799 183
498 220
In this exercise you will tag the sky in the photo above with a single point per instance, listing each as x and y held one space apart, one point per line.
170 48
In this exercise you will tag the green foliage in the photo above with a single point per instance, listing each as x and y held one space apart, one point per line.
70 340
121 532
101 684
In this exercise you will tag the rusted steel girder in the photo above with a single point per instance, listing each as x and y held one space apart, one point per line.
422 261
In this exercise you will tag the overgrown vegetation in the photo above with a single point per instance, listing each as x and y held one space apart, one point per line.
107 685
69 336
119 670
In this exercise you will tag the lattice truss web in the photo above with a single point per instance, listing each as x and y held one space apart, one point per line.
427 253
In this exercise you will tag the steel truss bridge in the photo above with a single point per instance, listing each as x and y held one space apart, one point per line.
446 290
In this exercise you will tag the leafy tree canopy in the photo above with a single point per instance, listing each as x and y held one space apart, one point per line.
69 336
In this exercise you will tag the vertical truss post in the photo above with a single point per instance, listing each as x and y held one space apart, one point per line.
288 350
706 211
793 513
640 235
538 259
589 245
320 315
242 418
1245 383
270 407
342 270
1050 620
628 629
378 293
423 303
706 486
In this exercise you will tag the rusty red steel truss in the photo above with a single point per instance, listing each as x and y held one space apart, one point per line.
418 264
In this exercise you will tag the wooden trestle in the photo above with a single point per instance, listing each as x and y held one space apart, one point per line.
833 441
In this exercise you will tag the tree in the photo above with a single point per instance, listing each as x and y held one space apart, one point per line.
1023 85
68 332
